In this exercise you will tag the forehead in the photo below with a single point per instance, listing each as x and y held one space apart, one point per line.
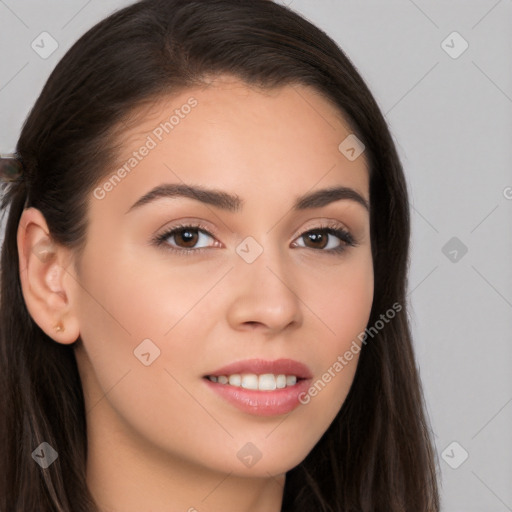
232 134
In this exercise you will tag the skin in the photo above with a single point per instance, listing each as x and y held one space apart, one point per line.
159 438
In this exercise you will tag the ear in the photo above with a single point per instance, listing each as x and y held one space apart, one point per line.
48 282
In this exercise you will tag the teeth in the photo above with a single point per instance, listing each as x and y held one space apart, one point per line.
291 380
265 382
235 380
281 381
250 381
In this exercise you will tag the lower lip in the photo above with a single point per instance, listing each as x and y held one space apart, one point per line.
261 403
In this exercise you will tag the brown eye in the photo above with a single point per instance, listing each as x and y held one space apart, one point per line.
327 239
186 238
318 239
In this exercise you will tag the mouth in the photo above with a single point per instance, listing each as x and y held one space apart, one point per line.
261 387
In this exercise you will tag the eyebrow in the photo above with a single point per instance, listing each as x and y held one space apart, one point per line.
233 203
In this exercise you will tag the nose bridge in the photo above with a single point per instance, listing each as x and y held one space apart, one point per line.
263 261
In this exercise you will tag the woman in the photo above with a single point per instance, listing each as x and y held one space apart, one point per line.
204 276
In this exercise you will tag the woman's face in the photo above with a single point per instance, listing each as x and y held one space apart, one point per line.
258 280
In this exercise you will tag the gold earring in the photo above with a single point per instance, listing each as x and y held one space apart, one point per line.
59 327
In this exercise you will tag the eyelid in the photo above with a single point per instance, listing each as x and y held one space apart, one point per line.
318 224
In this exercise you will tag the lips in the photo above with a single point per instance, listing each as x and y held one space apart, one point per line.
261 367
260 387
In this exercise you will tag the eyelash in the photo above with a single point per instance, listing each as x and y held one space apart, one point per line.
331 229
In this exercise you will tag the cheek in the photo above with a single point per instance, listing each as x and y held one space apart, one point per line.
342 302
122 319
137 301
344 299
128 310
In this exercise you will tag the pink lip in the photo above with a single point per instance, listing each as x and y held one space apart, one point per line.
263 403
261 366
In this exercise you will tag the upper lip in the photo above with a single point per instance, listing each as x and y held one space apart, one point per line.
262 366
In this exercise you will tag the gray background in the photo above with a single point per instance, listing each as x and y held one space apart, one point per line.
451 118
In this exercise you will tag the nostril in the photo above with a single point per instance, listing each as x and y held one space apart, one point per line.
251 325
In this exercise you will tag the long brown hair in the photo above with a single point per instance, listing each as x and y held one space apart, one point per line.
377 455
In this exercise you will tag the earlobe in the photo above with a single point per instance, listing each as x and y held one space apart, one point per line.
47 286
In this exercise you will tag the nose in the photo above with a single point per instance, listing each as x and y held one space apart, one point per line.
263 296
